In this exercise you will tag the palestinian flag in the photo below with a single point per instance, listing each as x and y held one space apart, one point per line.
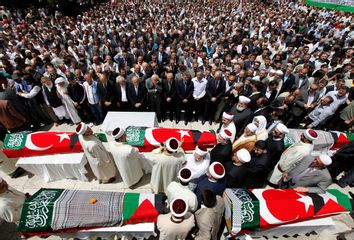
147 139
59 210
340 5
340 139
40 143
259 209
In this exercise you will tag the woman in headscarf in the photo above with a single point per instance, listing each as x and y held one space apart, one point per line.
261 123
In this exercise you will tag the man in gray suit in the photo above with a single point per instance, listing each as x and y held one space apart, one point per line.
301 79
303 104
311 175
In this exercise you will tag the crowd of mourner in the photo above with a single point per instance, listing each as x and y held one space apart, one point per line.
256 70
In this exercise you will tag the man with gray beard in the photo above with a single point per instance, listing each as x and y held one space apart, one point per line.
242 114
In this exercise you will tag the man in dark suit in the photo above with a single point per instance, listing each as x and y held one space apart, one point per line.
137 95
303 104
185 96
336 87
214 91
154 95
169 96
122 94
125 61
106 92
137 73
257 89
288 79
162 57
301 79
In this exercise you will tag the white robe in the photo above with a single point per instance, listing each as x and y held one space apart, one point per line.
69 105
127 161
198 168
165 168
232 128
289 159
7 165
175 190
11 203
98 157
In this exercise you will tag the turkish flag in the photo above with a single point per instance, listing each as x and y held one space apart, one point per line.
46 143
189 138
283 206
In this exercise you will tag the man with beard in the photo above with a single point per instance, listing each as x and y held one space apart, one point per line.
223 149
198 162
98 157
77 93
242 114
258 167
67 101
293 156
51 98
227 123
275 143
236 169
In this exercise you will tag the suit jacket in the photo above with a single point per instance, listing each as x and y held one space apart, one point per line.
164 59
119 92
185 93
129 61
330 88
213 91
169 92
317 181
298 107
106 93
287 83
221 153
133 98
209 219
305 83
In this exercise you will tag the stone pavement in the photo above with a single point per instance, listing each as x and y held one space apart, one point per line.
29 183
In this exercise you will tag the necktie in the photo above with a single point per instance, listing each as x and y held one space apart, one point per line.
136 90
185 86
169 86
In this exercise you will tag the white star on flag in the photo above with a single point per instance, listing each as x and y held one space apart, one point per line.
326 196
183 133
63 136
305 200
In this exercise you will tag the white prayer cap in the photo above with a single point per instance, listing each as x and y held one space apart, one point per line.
178 207
59 80
185 175
201 150
279 72
1 179
228 115
172 145
256 78
272 71
81 128
282 128
243 155
118 132
234 61
252 127
325 159
226 134
217 170
244 99
310 134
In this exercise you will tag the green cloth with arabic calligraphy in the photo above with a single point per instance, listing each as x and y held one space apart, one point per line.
37 211
135 135
250 218
15 141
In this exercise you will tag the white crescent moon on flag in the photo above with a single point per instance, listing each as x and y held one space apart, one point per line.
150 138
264 211
29 144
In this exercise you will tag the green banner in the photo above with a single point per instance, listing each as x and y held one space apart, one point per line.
250 214
135 135
15 141
101 136
37 211
340 5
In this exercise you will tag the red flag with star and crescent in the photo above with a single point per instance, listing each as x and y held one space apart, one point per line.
147 139
40 143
